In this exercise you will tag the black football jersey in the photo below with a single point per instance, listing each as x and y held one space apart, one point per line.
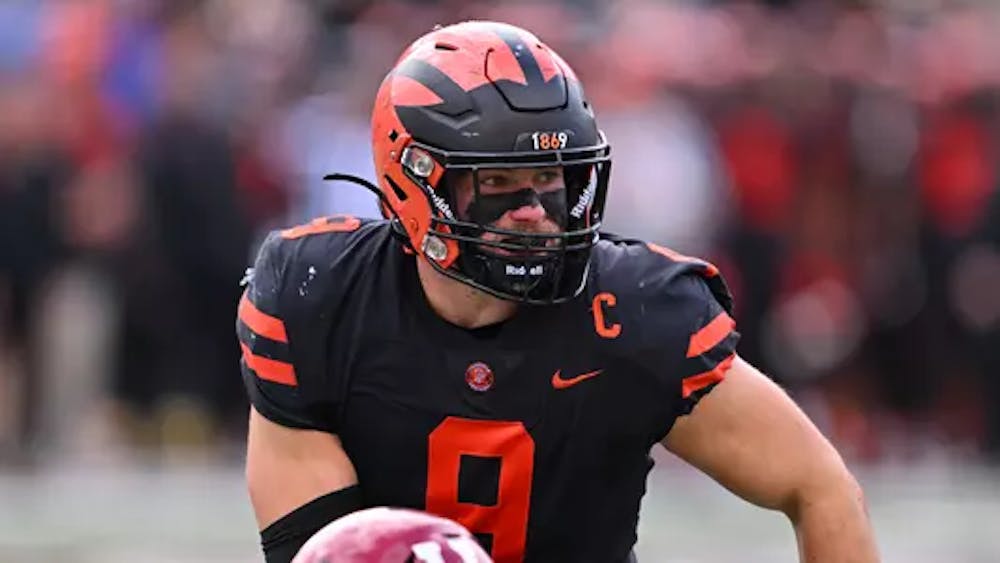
534 433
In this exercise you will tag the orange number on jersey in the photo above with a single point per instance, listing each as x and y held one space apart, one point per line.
332 224
507 520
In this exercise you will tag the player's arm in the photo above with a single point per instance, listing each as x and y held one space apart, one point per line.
287 468
299 481
750 436
298 476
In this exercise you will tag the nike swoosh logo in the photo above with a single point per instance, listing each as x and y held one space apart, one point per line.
560 383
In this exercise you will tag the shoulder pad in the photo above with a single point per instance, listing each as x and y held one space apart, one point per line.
674 314
630 266
284 318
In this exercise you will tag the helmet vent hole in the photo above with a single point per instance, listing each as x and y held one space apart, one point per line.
441 46
400 194
393 135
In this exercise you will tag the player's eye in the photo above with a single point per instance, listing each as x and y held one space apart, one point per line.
547 179
494 180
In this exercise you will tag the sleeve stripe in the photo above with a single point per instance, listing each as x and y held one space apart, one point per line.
711 335
268 369
261 323
697 382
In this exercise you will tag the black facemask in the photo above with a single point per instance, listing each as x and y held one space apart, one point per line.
532 267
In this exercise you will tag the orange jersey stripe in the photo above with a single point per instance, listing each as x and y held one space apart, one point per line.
709 336
261 323
710 269
321 225
697 382
268 369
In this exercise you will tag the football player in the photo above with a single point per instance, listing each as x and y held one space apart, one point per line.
486 354
392 535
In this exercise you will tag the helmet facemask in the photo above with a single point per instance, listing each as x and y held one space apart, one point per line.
538 262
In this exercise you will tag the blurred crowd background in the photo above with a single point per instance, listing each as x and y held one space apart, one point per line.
838 161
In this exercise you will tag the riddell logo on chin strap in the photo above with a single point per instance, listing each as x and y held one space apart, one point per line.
522 270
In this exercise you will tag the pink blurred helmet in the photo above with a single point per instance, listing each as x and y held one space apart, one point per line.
392 535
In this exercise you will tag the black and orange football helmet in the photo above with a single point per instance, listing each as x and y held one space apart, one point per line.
479 96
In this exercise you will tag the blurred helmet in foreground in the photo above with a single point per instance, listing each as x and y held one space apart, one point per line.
392 535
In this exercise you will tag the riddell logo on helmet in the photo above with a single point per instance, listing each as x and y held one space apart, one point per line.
441 205
585 198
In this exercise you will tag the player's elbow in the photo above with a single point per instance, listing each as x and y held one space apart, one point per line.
832 491
831 520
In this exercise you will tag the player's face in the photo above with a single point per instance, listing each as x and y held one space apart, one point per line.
514 199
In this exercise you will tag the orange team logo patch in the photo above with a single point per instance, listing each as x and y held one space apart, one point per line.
479 376
560 383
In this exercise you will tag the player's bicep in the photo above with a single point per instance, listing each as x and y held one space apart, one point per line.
753 439
287 467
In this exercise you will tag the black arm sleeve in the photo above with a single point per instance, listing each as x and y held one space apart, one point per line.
284 538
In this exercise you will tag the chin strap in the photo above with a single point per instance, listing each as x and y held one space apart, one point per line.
396 223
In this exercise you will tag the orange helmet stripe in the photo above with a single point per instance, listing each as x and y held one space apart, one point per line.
408 92
501 64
